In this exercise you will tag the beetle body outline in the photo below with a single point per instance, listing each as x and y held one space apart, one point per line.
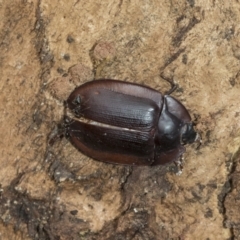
126 123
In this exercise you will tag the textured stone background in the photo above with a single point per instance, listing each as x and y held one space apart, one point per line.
54 192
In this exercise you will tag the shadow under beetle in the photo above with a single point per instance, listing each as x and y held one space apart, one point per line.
126 123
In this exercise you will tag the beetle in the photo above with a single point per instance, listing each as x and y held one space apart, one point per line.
126 123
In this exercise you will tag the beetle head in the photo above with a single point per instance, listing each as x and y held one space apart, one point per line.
188 134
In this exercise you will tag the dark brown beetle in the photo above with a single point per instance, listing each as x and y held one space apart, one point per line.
126 123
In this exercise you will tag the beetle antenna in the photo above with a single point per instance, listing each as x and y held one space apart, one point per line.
174 86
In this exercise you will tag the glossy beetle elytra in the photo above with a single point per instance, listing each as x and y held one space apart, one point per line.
126 123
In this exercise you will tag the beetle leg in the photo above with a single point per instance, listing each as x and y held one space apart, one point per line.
198 140
57 133
168 61
174 86
67 121
179 165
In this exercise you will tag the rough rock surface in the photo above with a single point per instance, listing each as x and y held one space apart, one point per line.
55 192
